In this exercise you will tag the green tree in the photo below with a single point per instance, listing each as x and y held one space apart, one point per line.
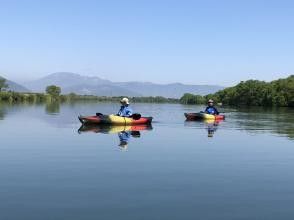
189 98
251 93
3 84
53 90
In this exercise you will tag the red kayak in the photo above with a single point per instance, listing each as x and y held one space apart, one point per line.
114 120
203 116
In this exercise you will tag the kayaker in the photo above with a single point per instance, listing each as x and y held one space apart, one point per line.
125 109
210 109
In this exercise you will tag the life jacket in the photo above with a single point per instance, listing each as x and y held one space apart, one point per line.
125 111
211 110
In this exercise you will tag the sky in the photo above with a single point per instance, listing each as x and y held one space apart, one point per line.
192 42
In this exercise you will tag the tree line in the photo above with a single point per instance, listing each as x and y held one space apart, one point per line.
251 93
53 94
247 93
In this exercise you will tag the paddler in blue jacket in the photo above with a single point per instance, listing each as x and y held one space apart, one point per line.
210 109
125 109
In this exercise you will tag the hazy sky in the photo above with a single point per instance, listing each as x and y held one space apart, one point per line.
195 42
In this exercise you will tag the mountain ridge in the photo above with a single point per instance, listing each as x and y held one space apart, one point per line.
92 85
13 86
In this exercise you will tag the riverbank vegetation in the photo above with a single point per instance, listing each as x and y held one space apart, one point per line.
278 93
53 94
251 93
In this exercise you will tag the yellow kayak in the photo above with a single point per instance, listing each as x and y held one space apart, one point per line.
203 116
114 120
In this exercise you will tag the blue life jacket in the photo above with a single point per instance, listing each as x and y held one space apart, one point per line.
211 110
125 111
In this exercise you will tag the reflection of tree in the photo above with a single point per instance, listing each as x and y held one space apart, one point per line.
279 120
52 107
2 112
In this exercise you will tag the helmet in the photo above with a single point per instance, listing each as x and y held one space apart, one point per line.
210 101
125 101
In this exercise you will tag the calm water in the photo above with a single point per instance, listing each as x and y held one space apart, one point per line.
241 168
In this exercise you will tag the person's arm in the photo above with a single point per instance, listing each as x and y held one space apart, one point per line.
206 110
216 111
119 112
129 112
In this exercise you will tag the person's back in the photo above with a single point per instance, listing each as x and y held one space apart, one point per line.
125 109
210 109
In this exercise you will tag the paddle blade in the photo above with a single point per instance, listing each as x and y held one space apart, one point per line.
136 116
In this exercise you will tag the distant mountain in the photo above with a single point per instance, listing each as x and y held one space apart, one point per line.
174 90
65 80
101 90
85 85
13 86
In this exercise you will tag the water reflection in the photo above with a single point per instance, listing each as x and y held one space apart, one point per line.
124 132
2 111
254 120
274 120
211 126
124 138
52 108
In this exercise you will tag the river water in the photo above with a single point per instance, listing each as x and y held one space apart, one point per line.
240 168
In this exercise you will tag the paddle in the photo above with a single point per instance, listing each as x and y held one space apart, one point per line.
136 116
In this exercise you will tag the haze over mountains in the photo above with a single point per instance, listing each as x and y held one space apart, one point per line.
13 86
86 85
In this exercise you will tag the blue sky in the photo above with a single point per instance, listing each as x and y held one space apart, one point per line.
194 42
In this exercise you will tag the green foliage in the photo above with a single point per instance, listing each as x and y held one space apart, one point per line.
283 91
21 97
259 93
188 98
53 90
252 93
15 97
3 84
156 99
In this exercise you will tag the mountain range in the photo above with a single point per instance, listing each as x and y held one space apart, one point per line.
13 86
86 85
